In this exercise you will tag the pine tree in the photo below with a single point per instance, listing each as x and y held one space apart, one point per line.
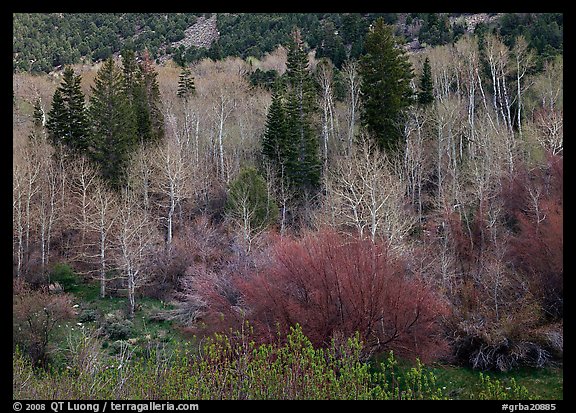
186 86
131 74
274 142
152 99
426 94
114 124
38 116
67 120
303 165
141 88
386 74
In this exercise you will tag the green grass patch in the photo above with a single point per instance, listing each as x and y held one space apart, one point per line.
464 383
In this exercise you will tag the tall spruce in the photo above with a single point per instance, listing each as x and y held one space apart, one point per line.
275 140
142 91
386 93
152 100
186 86
39 116
426 93
68 125
114 124
303 165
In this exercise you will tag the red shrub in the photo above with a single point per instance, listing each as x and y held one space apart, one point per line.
331 285
537 246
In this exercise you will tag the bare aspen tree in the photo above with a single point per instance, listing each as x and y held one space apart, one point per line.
25 181
170 178
442 64
350 71
222 101
416 131
18 213
48 206
280 189
140 175
103 216
82 179
550 130
498 57
325 74
249 120
366 193
136 241
545 107
448 121
525 60
32 188
467 52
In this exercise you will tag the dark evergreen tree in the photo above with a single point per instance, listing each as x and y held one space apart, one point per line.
141 88
67 119
426 93
331 45
386 74
38 116
275 140
186 86
114 124
131 73
303 165
151 126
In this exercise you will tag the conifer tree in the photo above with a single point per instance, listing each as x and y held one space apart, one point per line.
303 165
426 93
152 100
386 74
38 116
141 88
186 86
274 142
67 119
114 124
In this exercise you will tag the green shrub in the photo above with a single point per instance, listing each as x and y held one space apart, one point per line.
63 274
116 327
120 330
87 315
234 367
493 389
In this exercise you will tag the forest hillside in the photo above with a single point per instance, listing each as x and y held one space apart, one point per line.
369 204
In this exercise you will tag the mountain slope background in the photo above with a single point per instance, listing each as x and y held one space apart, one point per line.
44 42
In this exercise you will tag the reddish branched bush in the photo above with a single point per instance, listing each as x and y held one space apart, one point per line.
198 247
36 314
507 273
537 246
332 285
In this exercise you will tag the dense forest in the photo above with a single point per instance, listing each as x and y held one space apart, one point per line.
293 206
43 42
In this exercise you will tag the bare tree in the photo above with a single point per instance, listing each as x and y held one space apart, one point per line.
103 216
136 242
366 193
83 177
26 175
498 57
220 96
325 74
171 179
350 71
417 129
48 208
525 60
